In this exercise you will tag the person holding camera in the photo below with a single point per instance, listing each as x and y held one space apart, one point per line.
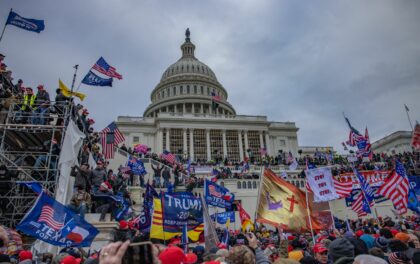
80 202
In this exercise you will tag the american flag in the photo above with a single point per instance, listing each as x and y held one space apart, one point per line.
396 187
51 218
216 98
360 205
415 141
343 189
168 156
103 67
111 136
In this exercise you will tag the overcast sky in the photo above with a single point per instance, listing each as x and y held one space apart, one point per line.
300 61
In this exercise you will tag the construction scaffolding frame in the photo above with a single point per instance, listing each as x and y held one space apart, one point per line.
29 151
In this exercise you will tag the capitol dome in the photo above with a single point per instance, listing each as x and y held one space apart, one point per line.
187 86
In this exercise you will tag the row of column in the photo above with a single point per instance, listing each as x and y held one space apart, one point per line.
184 109
224 141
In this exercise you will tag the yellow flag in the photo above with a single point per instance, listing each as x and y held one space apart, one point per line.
67 92
156 230
283 204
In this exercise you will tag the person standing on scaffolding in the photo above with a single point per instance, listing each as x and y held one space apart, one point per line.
42 104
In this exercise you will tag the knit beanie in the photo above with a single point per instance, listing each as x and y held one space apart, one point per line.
340 247
382 243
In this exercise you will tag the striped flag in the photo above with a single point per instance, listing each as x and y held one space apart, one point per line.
215 97
103 67
343 189
396 187
360 205
168 156
415 141
52 219
111 136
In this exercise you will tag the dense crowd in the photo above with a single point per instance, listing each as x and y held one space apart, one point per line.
372 241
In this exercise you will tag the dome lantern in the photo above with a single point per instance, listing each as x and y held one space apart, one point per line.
187 48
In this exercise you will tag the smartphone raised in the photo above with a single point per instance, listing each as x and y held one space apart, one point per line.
141 252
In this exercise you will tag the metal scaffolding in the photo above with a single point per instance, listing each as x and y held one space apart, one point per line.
29 151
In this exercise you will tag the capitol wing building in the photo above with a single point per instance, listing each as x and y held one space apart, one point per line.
182 119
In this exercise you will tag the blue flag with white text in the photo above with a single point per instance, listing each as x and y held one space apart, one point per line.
95 80
368 191
29 24
222 218
217 195
52 222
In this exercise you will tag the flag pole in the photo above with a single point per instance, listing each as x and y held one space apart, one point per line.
259 193
332 216
5 24
309 214
408 116
74 77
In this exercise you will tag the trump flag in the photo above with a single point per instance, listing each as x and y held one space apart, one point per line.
217 195
52 222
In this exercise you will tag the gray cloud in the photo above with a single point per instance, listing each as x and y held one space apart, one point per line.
290 60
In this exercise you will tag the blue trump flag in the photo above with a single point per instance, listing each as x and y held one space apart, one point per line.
217 195
368 191
146 215
222 218
52 222
29 24
179 209
136 166
414 194
95 80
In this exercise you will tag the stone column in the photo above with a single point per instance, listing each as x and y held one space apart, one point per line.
267 142
224 143
241 149
192 108
175 110
183 109
261 140
167 140
208 144
184 138
191 144
246 143
210 110
202 108
159 141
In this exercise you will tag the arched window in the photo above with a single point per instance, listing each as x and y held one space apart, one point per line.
182 68
243 185
195 89
254 184
239 186
163 94
174 90
188 67
168 91
249 185
181 90
202 89
188 89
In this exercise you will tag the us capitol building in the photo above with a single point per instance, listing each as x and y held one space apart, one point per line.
180 118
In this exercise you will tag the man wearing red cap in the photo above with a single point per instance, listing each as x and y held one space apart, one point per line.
321 253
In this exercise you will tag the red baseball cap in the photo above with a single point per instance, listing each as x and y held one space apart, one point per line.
123 224
70 260
40 87
172 255
359 233
319 248
24 255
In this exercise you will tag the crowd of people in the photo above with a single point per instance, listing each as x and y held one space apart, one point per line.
371 241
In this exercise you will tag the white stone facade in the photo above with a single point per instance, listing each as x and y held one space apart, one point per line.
182 118
395 143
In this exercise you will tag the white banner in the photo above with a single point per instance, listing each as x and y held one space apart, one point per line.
321 182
